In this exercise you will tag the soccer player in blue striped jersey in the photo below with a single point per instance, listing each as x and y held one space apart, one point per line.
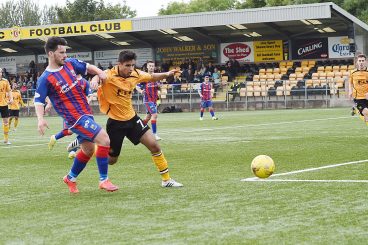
205 92
66 131
59 83
150 97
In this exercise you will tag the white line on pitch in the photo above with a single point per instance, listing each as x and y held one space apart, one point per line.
254 125
310 169
307 180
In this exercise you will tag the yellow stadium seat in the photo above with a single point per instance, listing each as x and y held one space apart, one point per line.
343 68
336 68
322 75
257 91
351 67
298 70
311 63
321 69
278 76
328 68
330 75
262 78
280 91
242 92
299 76
270 77
292 76
249 90
316 82
283 70
338 74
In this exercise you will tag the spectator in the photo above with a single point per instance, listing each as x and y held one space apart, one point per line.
100 66
32 68
110 65
216 77
202 71
210 68
5 73
230 71
196 77
234 90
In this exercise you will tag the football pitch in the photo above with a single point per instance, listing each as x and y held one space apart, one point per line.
317 195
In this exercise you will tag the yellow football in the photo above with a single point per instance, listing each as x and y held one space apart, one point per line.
263 166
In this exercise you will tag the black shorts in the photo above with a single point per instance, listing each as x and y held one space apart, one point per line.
133 129
4 111
13 113
361 104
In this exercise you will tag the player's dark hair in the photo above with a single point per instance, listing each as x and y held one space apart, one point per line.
53 42
361 56
127 55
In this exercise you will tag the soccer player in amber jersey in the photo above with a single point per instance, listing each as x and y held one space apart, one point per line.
15 106
6 98
66 131
358 86
115 100
150 97
59 83
205 92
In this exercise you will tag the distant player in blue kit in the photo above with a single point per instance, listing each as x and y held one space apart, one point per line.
205 92
59 83
150 93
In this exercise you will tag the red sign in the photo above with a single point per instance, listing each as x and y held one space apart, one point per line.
237 51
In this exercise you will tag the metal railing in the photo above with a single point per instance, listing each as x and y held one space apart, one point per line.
263 95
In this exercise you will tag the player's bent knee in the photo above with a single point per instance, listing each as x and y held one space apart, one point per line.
112 160
154 148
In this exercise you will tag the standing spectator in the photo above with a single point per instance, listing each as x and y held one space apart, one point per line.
216 77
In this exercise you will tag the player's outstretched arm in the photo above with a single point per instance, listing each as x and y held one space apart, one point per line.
42 123
163 75
92 69
95 81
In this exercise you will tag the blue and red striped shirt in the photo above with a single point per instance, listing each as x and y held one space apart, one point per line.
65 92
206 91
150 91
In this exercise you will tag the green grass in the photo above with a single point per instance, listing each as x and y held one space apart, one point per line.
209 158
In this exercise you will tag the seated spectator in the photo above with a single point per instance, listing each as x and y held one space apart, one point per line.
234 90
23 88
210 68
197 77
202 71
